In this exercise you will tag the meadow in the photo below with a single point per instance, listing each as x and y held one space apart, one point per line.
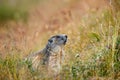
92 50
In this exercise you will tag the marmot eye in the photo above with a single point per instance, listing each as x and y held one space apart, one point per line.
57 36
50 41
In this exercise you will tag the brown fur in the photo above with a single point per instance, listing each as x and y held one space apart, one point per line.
50 58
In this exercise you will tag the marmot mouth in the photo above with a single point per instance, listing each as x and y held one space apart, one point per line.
65 41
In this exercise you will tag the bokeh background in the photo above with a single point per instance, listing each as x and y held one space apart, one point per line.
92 26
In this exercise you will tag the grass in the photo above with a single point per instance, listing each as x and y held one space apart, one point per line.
92 51
99 51
15 10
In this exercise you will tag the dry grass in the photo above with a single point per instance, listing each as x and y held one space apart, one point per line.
92 51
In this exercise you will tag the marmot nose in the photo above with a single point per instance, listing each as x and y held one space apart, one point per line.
66 36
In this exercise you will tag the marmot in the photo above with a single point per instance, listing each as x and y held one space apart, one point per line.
51 56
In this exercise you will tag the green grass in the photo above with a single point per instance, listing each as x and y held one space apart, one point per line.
100 34
93 52
102 64
15 10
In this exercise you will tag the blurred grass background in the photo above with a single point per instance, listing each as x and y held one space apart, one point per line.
15 9
93 28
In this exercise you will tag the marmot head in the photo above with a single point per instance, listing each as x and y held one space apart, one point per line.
57 41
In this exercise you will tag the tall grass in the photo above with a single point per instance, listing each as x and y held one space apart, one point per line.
93 51
104 63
